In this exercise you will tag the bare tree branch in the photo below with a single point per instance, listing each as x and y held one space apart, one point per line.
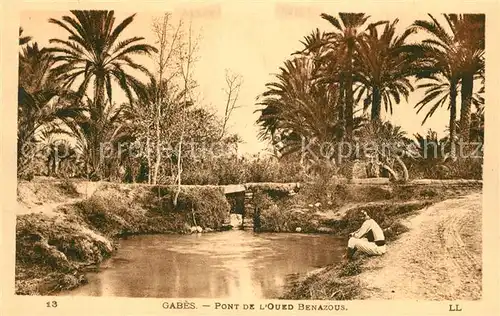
233 82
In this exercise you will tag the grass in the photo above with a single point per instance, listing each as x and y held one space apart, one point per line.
330 283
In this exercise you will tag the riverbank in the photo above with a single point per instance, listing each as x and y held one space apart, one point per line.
66 228
438 258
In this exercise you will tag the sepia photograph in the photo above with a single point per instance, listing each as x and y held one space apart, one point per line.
282 151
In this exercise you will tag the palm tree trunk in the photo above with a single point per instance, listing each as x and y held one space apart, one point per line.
391 171
406 176
376 104
96 118
465 110
453 118
341 105
349 95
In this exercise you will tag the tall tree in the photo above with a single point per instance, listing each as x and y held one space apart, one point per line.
185 64
93 53
470 29
296 109
348 31
169 41
462 48
440 88
41 102
232 90
383 69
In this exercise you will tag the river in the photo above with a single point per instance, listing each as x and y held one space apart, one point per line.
232 264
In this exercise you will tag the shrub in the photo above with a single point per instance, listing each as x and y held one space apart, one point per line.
465 168
208 207
68 187
283 215
103 213
462 168
322 189
395 230
197 205
264 170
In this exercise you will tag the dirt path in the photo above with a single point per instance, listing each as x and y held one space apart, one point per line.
438 259
32 204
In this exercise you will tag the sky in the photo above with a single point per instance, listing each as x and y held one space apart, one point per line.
253 40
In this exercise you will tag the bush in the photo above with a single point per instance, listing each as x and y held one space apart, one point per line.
283 215
56 244
100 212
68 187
395 230
208 207
323 190
468 168
385 215
464 168
198 205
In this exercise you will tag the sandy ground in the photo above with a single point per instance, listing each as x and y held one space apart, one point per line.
30 200
438 259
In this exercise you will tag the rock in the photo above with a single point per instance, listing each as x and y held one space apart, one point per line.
208 230
310 205
192 229
317 204
199 229
325 230
298 229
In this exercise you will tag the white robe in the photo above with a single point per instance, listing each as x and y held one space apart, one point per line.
362 244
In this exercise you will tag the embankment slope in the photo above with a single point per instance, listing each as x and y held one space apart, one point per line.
438 259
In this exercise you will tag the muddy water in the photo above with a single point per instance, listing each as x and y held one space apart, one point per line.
218 265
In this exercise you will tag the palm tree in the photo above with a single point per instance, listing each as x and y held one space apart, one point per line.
23 39
470 29
41 102
296 108
113 131
93 53
348 31
463 50
385 144
383 69
442 60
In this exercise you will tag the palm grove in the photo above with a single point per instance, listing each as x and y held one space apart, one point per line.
334 90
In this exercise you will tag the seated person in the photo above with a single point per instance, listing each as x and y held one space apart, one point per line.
369 238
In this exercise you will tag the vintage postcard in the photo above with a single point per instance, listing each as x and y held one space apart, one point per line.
240 157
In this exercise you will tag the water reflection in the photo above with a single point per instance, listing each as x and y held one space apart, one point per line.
232 264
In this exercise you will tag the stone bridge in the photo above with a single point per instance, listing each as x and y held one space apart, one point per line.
240 196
